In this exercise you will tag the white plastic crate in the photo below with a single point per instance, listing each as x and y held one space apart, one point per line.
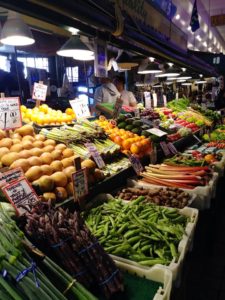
204 194
157 274
175 266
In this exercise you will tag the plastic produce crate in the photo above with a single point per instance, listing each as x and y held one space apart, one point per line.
185 244
204 194
157 274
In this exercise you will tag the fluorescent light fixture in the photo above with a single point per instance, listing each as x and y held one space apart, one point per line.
73 30
151 59
75 48
124 61
177 17
210 49
189 28
186 83
182 23
210 35
172 78
190 45
157 85
181 80
198 38
168 82
204 44
151 68
15 32
200 81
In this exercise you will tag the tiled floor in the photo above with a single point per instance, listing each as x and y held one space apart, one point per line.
203 275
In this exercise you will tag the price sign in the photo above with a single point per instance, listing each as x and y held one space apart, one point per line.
153 156
136 164
165 148
10 176
157 132
10 114
80 107
148 100
117 107
95 154
20 194
137 113
80 184
40 91
172 148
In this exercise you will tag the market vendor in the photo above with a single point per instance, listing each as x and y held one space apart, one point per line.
106 93
127 96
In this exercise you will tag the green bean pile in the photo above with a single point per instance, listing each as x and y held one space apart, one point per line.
142 232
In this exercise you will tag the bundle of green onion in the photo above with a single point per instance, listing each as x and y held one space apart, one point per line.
22 278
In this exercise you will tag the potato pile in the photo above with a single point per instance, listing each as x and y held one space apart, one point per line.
47 165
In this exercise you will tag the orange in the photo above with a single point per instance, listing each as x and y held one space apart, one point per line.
118 140
135 149
126 145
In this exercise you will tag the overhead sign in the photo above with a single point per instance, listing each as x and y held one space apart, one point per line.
218 20
39 91
80 108
20 194
10 114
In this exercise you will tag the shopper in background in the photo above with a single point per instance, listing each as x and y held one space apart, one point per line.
106 93
127 96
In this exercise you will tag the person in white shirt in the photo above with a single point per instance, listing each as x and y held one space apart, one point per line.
106 93
127 96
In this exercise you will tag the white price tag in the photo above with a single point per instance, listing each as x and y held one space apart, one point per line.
155 100
80 184
147 96
80 107
164 100
20 194
40 91
95 154
10 114
157 132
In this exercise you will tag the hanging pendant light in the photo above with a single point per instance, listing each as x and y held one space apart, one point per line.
124 61
200 79
170 71
15 32
76 48
151 68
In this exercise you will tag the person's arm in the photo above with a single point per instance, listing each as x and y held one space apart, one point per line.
132 100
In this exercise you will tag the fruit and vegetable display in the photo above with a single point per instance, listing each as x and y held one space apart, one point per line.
67 240
196 158
186 177
44 115
128 141
109 108
77 136
210 114
178 105
47 165
139 231
149 114
170 196
23 275
218 145
216 135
